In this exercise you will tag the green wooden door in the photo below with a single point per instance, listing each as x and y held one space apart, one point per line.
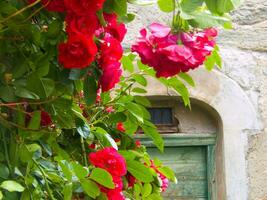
190 166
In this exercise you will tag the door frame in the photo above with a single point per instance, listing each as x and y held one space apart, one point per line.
179 140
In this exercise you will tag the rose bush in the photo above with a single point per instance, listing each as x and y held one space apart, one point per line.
72 99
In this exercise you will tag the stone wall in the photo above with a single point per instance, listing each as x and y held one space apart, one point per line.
244 52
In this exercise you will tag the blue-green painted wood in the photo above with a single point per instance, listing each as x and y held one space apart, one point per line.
181 140
190 166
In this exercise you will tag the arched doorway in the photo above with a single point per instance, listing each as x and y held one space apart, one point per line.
190 147
218 93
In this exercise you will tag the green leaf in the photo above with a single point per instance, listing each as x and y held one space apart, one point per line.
90 89
43 87
102 177
152 132
128 155
127 64
166 5
67 191
142 100
180 88
24 93
79 170
4 171
78 112
187 78
43 66
213 59
146 189
1 195
27 152
139 90
118 6
54 28
117 117
35 120
206 20
48 86
139 171
135 110
154 196
140 79
84 130
26 195
90 188
190 6
12 186
7 93
66 171
224 6
128 18
166 171
76 74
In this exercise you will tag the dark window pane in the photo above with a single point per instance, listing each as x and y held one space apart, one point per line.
161 115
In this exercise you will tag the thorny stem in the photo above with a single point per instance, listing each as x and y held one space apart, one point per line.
50 194
6 151
20 11
28 103
84 152
19 126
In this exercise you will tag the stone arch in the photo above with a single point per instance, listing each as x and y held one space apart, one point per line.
226 100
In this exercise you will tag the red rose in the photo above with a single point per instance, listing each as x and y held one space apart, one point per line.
110 77
110 109
171 54
92 146
45 118
131 180
138 143
78 52
117 30
110 51
164 182
120 127
52 5
110 160
83 7
82 24
116 193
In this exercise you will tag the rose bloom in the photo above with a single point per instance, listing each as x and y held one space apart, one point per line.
110 160
110 77
110 109
120 127
83 7
52 5
78 52
110 51
117 30
138 143
116 193
170 54
86 25
45 118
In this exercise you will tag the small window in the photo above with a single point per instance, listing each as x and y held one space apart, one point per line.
164 119
161 116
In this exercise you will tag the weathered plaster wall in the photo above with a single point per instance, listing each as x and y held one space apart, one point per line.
244 51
